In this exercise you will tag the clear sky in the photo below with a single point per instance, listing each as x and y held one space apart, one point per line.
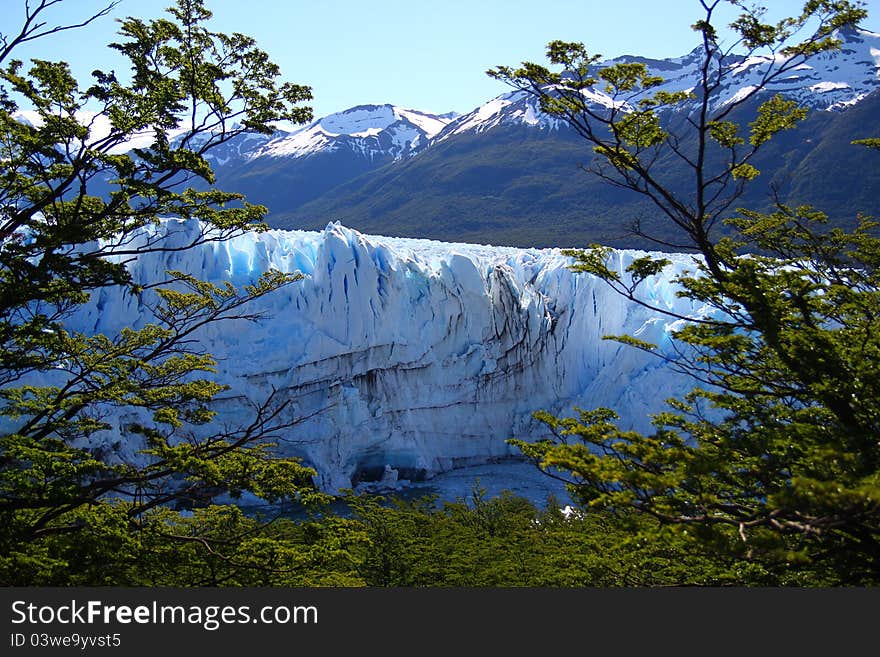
423 55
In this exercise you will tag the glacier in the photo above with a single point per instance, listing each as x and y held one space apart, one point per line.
419 355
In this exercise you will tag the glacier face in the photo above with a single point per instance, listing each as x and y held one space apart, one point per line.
422 355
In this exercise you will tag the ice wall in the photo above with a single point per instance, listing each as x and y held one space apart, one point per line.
421 355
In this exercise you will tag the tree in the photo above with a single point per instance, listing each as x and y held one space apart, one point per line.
506 541
774 457
190 90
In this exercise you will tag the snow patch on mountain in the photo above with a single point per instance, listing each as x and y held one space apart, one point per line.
823 87
429 124
741 94
357 120
514 108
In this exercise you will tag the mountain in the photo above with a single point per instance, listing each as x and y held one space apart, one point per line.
288 169
832 81
421 355
371 131
523 187
505 173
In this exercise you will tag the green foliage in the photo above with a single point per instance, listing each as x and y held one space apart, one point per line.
744 171
873 142
211 546
783 468
72 512
725 133
773 116
506 541
477 541
773 459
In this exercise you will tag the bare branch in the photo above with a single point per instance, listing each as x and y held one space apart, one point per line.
33 27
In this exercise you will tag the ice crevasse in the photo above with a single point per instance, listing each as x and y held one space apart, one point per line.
421 355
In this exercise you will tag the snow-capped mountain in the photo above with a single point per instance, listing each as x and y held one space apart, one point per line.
514 108
372 131
421 355
289 168
376 133
830 81
505 173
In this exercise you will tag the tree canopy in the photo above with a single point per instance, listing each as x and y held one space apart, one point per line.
773 458
77 205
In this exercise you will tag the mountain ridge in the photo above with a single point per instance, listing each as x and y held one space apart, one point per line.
506 174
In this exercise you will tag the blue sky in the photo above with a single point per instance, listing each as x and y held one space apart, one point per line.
424 55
